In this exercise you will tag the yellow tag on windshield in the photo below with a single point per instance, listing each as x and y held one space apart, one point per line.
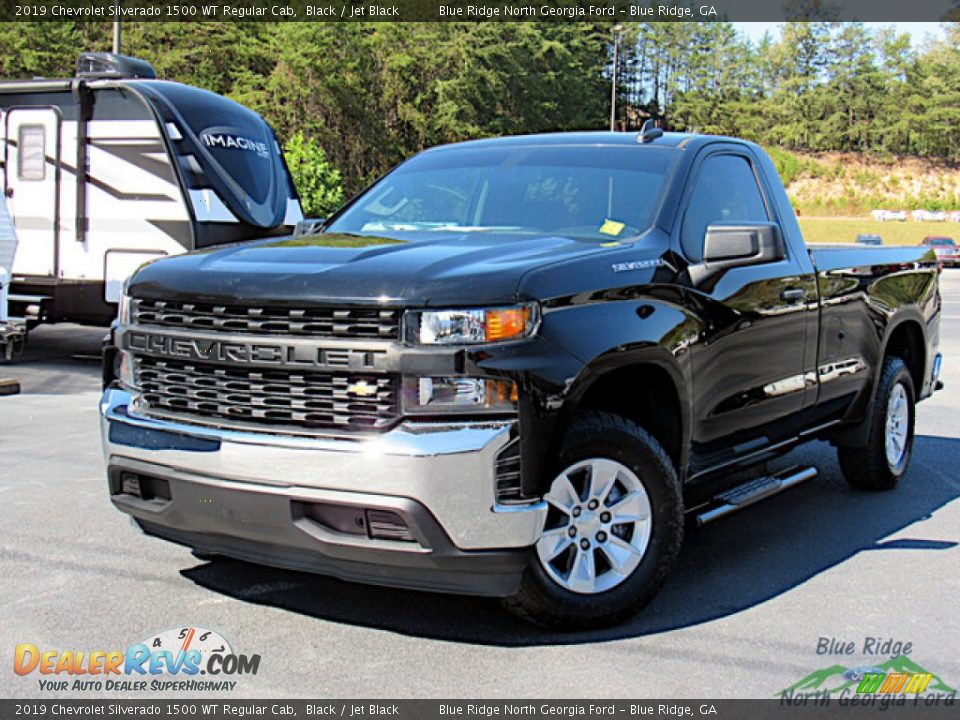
612 227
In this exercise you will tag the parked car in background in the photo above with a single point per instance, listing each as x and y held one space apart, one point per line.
892 215
945 248
867 239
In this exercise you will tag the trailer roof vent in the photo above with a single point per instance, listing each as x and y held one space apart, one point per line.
110 65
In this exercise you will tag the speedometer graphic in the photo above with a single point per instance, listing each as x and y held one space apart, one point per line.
181 640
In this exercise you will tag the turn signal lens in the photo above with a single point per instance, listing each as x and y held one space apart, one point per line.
508 323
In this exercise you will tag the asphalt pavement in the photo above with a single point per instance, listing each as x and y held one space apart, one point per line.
741 616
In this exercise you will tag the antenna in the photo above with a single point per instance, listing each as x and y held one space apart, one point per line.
650 131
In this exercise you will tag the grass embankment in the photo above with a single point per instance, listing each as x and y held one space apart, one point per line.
844 185
829 229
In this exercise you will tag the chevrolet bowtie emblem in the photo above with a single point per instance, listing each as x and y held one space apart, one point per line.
362 388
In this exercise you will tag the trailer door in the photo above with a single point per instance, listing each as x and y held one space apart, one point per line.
31 186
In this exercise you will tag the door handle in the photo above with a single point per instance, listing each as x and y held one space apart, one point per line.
792 295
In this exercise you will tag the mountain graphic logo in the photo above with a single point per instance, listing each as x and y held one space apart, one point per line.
837 678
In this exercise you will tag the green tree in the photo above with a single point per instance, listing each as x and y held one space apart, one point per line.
799 60
325 83
854 86
228 58
47 49
897 60
316 180
372 94
933 105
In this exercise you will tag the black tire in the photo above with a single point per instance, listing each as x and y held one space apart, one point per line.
602 435
866 467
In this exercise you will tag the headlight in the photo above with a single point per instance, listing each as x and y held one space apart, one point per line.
473 326
123 309
438 395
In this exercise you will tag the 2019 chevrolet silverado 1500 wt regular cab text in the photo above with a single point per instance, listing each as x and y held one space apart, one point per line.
511 368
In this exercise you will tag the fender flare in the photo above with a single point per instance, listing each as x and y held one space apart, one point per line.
615 359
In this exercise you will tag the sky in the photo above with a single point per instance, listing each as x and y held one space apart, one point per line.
917 30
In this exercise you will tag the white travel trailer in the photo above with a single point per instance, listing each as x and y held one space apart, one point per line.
112 168
11 335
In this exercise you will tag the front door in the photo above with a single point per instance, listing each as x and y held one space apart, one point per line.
749 374
31 186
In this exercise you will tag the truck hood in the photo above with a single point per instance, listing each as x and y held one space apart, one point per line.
427 268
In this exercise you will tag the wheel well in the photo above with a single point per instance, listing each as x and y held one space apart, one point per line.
906 343
645 394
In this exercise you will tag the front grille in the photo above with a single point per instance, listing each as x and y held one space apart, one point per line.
308 400
270 320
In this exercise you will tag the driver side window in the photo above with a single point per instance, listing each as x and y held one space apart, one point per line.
726 191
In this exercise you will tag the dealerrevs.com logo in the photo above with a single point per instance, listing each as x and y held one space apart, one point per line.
180 659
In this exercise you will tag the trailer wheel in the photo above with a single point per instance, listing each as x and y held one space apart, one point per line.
612 532
880 462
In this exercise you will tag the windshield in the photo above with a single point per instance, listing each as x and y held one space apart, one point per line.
939 241
589 192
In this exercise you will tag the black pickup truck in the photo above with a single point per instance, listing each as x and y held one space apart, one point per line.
514 367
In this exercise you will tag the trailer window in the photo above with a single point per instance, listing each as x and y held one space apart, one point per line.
32 157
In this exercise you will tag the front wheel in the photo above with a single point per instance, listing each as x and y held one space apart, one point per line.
879 463
613 528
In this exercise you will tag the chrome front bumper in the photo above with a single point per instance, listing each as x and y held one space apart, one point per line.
242 493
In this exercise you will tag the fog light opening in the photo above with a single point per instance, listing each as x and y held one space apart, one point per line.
142 487
130 484
387 525
372 523
458 394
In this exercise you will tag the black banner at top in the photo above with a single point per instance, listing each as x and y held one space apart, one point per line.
477 10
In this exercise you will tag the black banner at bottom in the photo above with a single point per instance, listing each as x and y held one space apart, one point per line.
805 707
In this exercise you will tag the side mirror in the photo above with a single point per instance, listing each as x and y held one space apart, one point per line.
309 226
734 244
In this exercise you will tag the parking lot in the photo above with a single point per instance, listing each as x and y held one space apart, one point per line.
741 616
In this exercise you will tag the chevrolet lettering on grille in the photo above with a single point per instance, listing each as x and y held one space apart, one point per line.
247 353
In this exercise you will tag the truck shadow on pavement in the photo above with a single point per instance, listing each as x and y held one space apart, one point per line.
725 568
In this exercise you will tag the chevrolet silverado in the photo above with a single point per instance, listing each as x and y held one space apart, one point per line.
516 367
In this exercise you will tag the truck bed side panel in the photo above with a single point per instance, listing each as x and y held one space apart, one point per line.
865 294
